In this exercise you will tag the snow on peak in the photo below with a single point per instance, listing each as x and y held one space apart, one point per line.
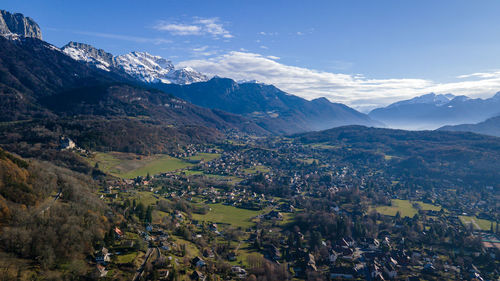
87 53
153 69
432 98
145 67
253 81
140 65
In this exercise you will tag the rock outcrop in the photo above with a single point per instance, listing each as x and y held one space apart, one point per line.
19 24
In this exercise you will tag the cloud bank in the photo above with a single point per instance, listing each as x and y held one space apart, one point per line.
355 90
199 26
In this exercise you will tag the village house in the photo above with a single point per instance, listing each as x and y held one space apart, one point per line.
103 256
197 276
66 143
273 215
240 272
198 262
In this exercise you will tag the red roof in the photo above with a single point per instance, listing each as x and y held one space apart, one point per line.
118 231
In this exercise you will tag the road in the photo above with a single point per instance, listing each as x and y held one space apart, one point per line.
52 202
149 252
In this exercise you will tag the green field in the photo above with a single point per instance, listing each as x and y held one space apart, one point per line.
478 224
191 249
127 258
228 179
236 217
145 197
129 165
255 169
324 146
428 207
405 208
204 156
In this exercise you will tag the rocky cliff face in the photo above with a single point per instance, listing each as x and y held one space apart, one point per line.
19 24
87 53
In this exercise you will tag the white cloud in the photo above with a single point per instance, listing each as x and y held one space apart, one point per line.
179 29
198 26
480 75
263 33
355 90
204 51
273 57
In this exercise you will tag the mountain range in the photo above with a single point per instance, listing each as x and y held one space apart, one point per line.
130 102
432 111
269 107
140 65
39 80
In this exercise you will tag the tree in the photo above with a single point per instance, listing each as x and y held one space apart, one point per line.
149 214
139 211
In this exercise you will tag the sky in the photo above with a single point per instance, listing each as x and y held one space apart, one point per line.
362 53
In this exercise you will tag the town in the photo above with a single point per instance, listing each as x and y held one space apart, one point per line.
283 209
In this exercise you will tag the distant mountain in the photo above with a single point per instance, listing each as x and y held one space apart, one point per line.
87 53
140 65
18 24
432 111
271 108
489 127
431 99
268 106
42 87
39 80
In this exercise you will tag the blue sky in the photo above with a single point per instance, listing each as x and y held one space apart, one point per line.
363 53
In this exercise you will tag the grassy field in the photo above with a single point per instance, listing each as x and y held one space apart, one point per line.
147 198
236 217
205 157
405 208
428 207
324 146
129 165
191 249
255 169
478 224
243 252
229 179
158 216
130 257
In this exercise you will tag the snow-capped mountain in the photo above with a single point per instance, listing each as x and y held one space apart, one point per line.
432 111
431 98
140 65
146 67
87 53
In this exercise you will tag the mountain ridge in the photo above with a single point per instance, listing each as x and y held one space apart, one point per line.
490 126
18 24
268 106
432 111
139 65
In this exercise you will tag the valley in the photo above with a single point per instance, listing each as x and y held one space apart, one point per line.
128 167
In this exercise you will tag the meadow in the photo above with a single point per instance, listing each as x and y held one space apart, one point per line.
405 208
225 214
129 165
